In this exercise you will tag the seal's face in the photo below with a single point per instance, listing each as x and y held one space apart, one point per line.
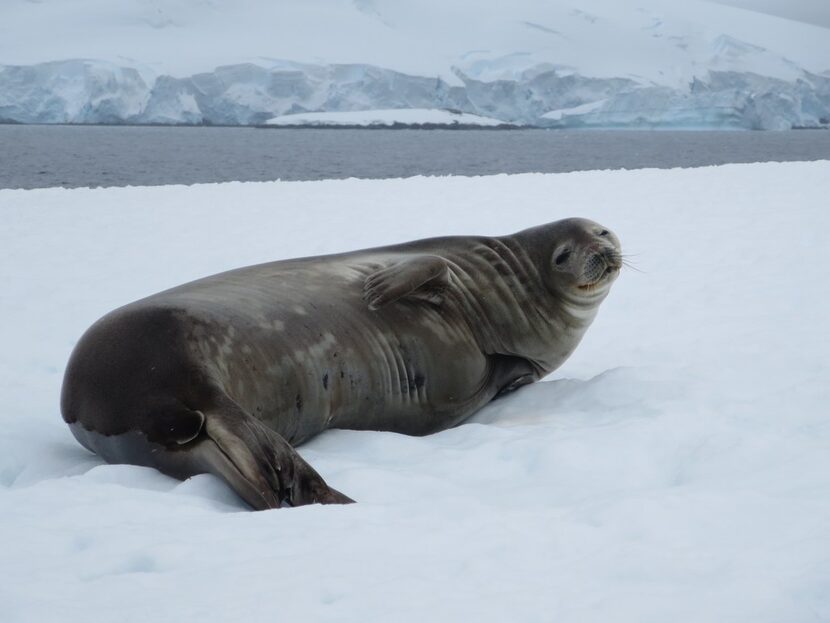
587 257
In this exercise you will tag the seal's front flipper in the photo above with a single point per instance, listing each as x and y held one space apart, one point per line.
422 276
527 379
258 463
508 373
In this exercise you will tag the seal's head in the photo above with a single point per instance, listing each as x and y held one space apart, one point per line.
585 259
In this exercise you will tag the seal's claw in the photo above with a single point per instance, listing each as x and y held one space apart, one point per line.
333 496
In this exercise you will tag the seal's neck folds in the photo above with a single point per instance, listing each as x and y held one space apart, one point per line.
516 313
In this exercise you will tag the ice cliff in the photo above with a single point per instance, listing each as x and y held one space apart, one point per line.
81 91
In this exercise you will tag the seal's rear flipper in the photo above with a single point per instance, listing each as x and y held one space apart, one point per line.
258 463
420 276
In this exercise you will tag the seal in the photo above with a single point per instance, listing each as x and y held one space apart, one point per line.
228 373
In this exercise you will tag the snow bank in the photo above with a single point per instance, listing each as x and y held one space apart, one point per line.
676 467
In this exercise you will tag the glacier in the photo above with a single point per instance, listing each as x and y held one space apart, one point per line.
545 63
84 91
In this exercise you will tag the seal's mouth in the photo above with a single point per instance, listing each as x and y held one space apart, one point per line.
599 268
606 274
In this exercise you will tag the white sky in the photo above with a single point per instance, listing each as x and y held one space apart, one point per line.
811 11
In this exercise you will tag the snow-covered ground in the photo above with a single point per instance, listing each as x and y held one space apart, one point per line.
656 62
676 468
387 117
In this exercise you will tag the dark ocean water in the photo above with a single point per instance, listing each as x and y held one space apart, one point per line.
71 156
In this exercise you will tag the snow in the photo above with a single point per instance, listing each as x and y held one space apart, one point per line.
601 38
675 468
815 12
224 62
389 117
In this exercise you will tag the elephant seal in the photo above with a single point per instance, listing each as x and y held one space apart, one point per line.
227 373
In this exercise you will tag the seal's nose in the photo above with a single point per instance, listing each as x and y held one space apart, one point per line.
600 263
595 266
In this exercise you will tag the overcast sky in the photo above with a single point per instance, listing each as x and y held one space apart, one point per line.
810 11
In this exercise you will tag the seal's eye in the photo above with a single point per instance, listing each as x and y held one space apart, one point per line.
604 232
562 257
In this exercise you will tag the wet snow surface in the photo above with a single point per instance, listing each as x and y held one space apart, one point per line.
675 468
